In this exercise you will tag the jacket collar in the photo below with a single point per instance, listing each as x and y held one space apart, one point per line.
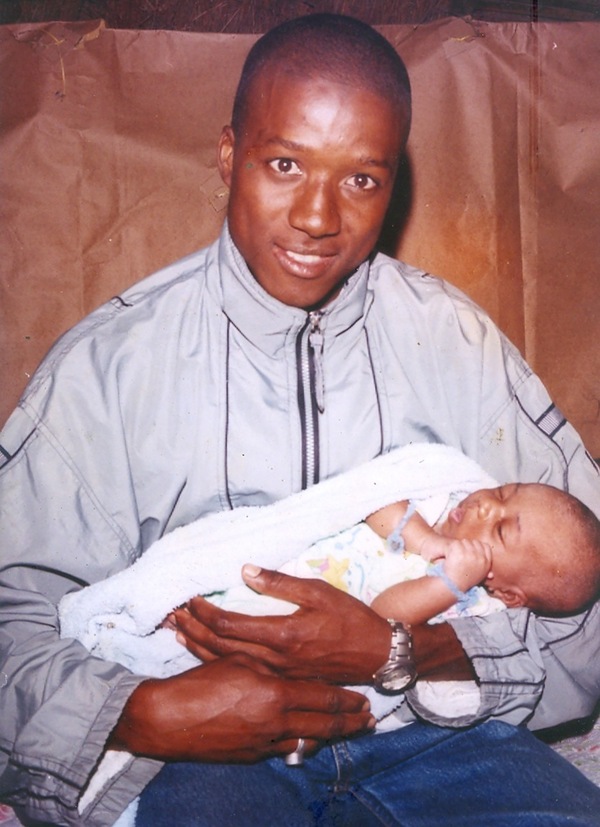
267 322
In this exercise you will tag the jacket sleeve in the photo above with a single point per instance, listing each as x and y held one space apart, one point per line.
538 671
93 463
58 705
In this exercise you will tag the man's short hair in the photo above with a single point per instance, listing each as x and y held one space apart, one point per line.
336 47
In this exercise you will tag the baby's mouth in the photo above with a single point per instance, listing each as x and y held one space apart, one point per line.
455 515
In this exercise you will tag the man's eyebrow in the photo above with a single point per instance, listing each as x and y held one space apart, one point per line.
286 144
375 162
294 146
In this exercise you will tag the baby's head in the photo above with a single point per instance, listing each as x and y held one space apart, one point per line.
545 545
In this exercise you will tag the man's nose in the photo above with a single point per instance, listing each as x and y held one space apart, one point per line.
315 209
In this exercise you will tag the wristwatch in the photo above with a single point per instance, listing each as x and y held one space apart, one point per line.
399 672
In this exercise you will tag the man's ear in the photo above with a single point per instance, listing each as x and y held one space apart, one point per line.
225 154
512 596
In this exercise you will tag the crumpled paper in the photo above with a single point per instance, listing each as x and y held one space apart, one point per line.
108 171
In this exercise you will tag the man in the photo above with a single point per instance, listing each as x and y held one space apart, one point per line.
281 355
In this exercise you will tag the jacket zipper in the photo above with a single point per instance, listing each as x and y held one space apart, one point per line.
311 394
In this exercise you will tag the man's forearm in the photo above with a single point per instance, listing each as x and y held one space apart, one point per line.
439 655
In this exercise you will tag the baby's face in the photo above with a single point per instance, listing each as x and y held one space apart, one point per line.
516 520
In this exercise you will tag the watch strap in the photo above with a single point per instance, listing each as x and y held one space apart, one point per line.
399 672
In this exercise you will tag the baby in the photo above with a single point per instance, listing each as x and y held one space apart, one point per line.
516 545
528 544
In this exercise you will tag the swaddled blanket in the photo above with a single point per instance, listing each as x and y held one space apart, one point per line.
117 619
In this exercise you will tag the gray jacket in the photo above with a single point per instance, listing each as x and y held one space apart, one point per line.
195 391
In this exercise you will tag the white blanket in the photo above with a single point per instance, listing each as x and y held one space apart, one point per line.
117 618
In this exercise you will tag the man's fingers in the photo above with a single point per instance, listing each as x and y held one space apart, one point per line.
327 728
320 697
325 713
224 631
205 633
323 730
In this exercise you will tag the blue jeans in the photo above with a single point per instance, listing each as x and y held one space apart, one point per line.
419 776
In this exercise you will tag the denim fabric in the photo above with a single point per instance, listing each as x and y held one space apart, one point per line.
419 776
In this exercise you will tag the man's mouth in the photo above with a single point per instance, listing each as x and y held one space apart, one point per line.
303 265
304 258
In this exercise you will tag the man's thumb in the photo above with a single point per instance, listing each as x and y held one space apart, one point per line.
274 583
250 572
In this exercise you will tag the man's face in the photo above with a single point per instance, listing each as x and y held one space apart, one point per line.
310 178
521 523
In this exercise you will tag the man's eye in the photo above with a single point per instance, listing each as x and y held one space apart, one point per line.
285 166
362 182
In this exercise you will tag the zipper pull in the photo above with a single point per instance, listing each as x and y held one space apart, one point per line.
316 342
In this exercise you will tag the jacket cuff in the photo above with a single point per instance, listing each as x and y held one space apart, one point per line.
56 789
119 777
510 677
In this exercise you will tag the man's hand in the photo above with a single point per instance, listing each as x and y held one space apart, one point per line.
235 710
332 636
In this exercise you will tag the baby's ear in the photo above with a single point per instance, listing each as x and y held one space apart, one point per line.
512 596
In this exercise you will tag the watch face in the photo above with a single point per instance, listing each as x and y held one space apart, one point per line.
394 677
397 682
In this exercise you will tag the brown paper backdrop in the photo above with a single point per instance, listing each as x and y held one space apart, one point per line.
107 172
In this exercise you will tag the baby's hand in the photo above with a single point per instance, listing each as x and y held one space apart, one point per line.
467 562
